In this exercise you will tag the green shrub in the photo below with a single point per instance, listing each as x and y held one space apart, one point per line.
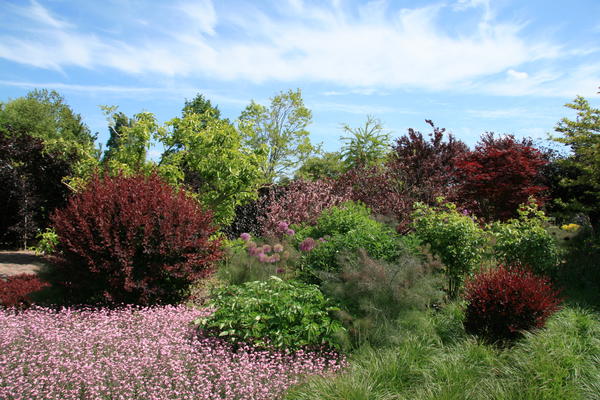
343 229
372 293
283 314
525 241
456 238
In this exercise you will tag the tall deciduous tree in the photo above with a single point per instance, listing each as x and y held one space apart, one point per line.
128 147
212 161
44 115
365 146
582 135
280 131
327 165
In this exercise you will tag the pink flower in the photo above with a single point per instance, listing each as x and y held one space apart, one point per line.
274 258
307 244
282 226
290 232
245 236
262 257
278 248
266 248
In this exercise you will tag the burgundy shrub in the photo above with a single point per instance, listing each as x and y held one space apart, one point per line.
417 170
303 201
499 175
425 168
504 302
132 240
15 291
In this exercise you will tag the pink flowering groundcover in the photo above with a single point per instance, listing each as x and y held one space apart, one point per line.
138 353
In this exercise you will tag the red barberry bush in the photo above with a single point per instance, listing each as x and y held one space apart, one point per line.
15 291
504 302
132 240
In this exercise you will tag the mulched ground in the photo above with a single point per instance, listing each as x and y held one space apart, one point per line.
19 262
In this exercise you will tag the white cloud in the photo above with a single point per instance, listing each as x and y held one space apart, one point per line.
129 91
375 48
517 74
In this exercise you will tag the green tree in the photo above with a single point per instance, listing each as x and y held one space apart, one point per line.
582 135
327 165
131 140
117 121
365 146
212 161
280 131
44 114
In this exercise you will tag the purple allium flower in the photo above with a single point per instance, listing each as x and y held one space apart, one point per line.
255 251
262 257
282 226
274 258
266 248
307 244
278 248
245 236
290 232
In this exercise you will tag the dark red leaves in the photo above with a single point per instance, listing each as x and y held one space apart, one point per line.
498 175
132 240
16 290
504 302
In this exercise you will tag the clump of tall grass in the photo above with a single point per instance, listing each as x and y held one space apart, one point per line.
558 362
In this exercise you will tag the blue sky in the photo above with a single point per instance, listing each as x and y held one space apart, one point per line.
471 66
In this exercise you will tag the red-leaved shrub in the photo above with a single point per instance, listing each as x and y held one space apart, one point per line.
504 302
303 201
15 290
132 240
499 175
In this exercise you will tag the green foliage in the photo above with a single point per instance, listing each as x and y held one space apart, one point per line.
582 135
324 166
365 146
373 293
346 228
280 131
207 155
44 114
129 142
559 362
272 313
47 241
525 240
456 238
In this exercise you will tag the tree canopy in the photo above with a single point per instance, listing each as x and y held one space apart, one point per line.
280 131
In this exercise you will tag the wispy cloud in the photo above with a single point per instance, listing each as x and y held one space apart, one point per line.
129 91
374 47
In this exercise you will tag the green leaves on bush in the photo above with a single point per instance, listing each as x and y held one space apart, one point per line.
347 228
283 314
454 237
525 241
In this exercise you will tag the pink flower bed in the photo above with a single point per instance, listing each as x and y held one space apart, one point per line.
137 353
